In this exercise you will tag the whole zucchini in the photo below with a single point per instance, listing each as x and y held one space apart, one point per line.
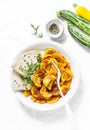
79 35
75 19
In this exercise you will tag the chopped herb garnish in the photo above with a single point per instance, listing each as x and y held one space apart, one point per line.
39 58
38 35
32 68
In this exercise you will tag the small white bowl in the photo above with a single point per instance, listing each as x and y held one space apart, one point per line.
60 26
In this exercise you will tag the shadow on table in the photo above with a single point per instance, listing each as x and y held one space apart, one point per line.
57 114
61 40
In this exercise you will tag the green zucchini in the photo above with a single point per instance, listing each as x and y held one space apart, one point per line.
75 19
79 35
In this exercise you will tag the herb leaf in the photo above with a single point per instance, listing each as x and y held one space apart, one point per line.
32 68
39 58
38 35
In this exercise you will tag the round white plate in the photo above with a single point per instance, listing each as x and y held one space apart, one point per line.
74 84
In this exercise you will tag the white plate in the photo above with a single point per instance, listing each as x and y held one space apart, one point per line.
74 84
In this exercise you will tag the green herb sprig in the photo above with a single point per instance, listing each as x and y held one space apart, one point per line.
32 68
38 35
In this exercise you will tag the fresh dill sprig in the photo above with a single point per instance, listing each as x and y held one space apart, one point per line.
38 35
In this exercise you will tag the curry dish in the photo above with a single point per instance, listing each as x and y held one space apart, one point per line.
44 87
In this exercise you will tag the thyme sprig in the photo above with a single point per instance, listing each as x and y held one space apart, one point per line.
32 68
36 28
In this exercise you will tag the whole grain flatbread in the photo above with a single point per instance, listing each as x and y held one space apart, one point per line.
22 60
20 65
17 83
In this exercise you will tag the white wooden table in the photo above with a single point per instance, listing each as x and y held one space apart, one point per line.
15 34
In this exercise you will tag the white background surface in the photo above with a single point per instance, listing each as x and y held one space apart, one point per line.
15 34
